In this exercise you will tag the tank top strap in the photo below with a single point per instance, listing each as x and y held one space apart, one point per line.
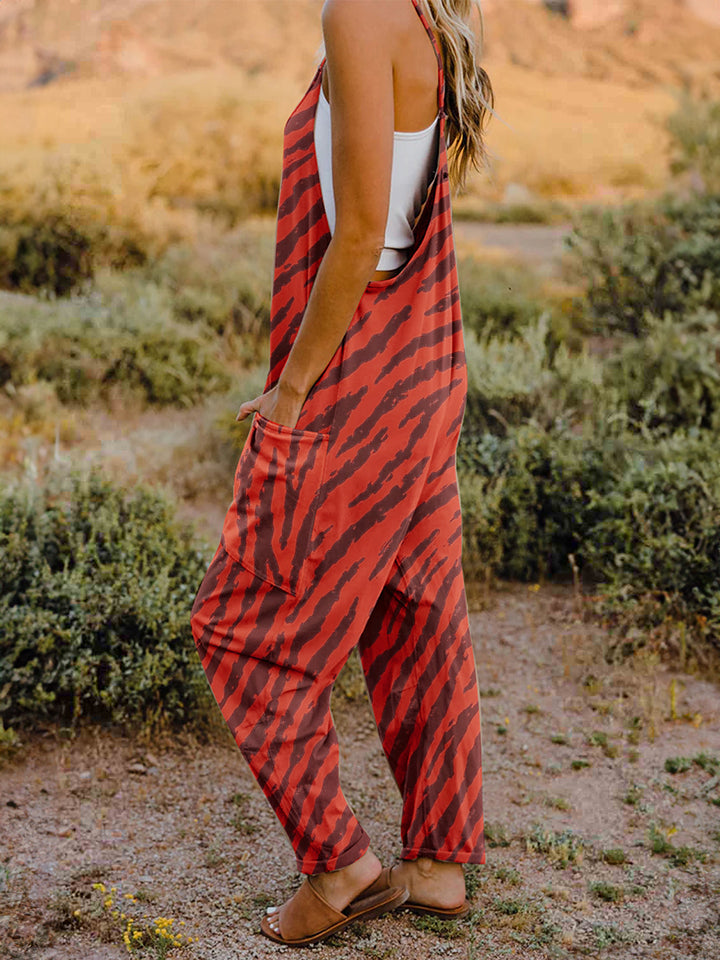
441 72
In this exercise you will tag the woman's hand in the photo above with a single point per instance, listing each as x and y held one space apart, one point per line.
277 405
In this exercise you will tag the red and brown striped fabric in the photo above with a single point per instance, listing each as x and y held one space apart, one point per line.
345 532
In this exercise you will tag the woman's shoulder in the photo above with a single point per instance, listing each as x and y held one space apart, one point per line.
368 13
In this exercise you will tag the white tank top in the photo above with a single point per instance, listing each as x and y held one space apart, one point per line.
414 159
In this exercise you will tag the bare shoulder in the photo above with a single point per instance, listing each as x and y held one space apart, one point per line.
361 18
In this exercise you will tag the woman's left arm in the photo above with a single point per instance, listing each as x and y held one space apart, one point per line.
359 53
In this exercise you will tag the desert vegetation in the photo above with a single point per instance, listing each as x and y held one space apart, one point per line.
586 451
135 278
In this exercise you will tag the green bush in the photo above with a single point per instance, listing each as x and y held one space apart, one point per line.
498 299
122 335
96 588
528 498
225 287
655 539
60 252
694 129
511 380
640 513
670 379
639 261
52 256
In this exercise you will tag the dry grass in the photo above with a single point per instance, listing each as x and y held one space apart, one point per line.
166 157
160 146
159 159
590 138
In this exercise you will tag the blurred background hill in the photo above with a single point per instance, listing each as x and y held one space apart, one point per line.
582 85
640 43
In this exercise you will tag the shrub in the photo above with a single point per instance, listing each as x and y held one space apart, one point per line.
670 379
511 381
638 261
123 336
52 255
694 129
225 286
640 513
527 500
498 299
56 251
655 539
96 588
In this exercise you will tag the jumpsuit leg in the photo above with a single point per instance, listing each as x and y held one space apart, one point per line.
419 665
277 705
274 686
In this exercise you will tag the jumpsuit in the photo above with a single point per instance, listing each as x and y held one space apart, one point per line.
345 531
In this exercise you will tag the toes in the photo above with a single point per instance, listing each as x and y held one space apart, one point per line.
271 910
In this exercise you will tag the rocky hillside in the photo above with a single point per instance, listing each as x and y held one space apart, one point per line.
44 41
631 42
638 43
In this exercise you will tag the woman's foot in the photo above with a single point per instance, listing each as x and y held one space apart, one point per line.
339 887
432 883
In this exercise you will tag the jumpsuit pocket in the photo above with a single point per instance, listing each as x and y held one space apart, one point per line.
278 485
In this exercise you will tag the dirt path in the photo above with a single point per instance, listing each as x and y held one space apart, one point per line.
540 245
568 773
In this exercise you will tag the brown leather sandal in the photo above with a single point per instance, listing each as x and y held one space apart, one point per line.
383 882
307 917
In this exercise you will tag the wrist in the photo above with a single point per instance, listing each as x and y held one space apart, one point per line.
291 392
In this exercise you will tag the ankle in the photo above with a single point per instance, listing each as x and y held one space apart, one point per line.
356 875
426 867
367 863
430 869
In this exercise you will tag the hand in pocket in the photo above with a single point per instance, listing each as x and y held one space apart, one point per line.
275 405
278 485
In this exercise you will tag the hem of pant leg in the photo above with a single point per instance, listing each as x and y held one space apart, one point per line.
343 859
448 856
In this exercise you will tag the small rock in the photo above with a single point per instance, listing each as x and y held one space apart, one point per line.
60 831
137 768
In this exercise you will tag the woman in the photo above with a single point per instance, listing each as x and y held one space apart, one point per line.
345 526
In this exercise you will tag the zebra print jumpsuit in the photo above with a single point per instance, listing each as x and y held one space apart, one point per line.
344 532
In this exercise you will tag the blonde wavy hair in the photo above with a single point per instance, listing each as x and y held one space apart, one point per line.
469 96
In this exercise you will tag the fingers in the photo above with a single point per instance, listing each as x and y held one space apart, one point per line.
246 409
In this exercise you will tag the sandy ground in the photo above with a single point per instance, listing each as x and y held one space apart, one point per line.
537 244
574 765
